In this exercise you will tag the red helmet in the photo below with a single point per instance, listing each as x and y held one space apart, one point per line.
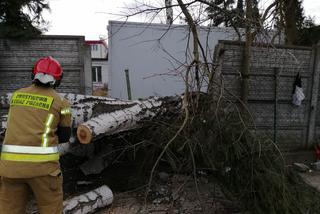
48 65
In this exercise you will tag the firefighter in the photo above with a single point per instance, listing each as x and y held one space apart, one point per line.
38 120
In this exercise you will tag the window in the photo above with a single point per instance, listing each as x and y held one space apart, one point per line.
94 47
96 74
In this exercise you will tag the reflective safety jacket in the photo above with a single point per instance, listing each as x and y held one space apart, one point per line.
30 144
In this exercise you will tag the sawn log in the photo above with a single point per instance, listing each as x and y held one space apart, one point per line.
95 117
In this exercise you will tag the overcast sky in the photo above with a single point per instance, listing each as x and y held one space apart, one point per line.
90 17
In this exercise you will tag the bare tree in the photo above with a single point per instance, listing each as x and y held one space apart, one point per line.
230 126
246 53
169 11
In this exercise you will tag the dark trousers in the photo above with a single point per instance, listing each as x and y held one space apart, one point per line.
15 192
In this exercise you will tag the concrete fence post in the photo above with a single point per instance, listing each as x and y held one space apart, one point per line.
315 66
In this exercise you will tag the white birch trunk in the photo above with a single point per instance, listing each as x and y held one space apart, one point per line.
89 202
99 116
118 121
5 100
63 148
81 105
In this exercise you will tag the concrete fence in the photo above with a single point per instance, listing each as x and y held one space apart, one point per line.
272 74
18 57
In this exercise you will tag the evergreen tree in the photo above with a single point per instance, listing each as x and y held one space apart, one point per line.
298 29
309 34
21 18
255 14
239 14
222 12
293 19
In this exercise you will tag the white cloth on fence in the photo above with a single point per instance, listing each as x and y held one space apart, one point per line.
298 96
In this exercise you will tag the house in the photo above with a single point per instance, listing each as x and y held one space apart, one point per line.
99 60
148 59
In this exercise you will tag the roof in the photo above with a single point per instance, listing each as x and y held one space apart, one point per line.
96 42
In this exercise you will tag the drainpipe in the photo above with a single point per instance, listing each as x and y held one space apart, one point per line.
126 71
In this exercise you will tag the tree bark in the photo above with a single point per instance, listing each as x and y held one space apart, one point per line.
122 119
83 106
246 54
196 55
5 100
169 12
89 202
290 16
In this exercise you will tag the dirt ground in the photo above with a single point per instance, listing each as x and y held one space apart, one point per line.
173 194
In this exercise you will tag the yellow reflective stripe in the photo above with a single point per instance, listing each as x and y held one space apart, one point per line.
47 130
29 157
44 140
49 120
31 100
66 111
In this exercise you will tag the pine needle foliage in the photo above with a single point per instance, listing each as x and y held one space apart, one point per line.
22 18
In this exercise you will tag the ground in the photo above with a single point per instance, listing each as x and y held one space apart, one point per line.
312 178
176 194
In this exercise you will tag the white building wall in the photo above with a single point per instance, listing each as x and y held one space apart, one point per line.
153 54
152 62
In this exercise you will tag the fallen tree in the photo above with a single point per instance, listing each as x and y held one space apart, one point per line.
123 119
95 117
